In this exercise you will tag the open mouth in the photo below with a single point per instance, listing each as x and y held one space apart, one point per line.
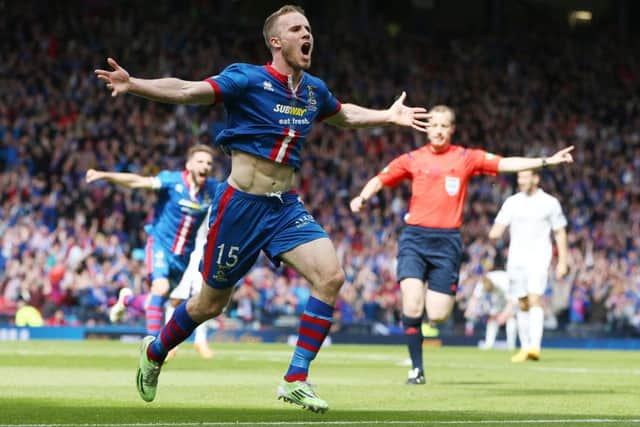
306 48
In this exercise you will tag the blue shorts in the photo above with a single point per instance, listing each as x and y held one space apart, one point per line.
432 255
163 264
242 224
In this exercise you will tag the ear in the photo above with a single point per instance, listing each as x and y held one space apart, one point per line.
275 42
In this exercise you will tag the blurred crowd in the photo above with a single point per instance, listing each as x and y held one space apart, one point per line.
67 247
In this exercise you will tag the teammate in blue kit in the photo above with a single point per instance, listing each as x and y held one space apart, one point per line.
183 199
270 110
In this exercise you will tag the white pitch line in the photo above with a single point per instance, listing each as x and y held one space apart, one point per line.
320 423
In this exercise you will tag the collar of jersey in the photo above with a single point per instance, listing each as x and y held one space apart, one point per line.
275 73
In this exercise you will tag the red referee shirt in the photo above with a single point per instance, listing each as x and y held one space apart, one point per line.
438 182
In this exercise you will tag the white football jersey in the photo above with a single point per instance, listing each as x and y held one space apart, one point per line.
500 280
501 293
530 219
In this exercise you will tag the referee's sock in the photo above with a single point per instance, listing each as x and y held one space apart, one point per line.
413 333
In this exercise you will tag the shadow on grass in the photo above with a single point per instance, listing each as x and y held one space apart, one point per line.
20 411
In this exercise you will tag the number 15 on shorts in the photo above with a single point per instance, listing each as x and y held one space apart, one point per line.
228 258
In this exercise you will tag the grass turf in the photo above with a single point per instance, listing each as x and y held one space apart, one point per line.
93 382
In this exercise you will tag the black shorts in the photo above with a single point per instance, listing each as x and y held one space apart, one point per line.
432 255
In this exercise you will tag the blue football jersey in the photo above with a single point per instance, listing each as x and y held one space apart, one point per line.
264 117
179 212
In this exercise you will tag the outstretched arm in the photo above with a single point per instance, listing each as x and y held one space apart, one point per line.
129 180
354 116
372 187
517 164
169 90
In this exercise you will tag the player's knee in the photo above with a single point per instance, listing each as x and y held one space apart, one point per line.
412 310
213 310
203 308
534 301
334 281
438 318
411 322
438 314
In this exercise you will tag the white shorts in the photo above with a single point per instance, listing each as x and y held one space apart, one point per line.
496 305
525 281
190 283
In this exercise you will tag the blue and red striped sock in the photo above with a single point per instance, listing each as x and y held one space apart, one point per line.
154 314
314 327
177 329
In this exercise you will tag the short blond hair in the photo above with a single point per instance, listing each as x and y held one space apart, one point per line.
444 109
269 23
200 148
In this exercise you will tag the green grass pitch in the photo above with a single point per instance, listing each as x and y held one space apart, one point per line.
92 383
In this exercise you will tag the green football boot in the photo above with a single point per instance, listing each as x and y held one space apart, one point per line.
300 393
148 371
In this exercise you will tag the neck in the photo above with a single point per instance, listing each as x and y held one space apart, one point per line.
283 67
440 148
192 182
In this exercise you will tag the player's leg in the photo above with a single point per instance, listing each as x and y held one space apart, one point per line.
187 316
491 333
536 285
297 239
413 300
169 309
317 262
443 251
154 309
411 271
518 289
158 261
536 326
209 303
511 331
439 305
522 320
191 283
201 343
117 311
181 293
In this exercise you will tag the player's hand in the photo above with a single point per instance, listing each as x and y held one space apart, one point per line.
92 175
118 80
562 156
416 117
356 204
502 318
561 270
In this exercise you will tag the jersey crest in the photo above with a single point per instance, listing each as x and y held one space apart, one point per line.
452 185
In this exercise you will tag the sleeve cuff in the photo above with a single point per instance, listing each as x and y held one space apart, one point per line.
216 89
